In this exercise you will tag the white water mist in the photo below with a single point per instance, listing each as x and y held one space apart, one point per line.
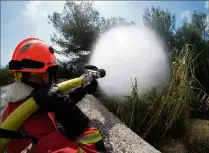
126 53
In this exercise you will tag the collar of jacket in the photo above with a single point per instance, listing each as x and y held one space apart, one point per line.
17 92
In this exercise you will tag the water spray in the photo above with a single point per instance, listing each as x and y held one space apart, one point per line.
129 52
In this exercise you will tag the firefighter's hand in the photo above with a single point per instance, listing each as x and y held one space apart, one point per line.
91 87
29 149
88 78
48 98
67 113
77 94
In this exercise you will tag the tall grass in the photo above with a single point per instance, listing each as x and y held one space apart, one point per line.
164 110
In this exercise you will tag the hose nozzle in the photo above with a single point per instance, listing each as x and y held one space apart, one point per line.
101 73
97 73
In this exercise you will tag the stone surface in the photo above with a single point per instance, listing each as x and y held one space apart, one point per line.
117 136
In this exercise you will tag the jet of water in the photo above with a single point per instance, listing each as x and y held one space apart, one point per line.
126 53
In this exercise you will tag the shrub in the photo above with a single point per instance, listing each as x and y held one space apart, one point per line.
161 111
5 77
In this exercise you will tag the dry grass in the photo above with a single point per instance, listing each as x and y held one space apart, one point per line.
162 111
165 112
159 111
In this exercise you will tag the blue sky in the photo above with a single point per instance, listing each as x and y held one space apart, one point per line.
22 19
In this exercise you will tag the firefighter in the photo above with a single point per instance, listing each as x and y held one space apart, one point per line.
34 66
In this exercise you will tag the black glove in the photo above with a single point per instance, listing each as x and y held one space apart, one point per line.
67 113
79 93
47 97
91 87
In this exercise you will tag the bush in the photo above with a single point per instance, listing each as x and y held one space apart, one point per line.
161 112
66 70
5 77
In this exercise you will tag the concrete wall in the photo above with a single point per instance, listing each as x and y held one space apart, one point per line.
117 136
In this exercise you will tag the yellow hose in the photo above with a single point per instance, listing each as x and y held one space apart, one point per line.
24 111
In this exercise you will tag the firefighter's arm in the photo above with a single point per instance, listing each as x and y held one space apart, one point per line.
67 113
77 94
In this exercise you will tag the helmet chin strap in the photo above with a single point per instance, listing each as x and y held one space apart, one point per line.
52 74
30 83
51 79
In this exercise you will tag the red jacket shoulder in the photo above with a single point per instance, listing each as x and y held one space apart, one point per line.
39 124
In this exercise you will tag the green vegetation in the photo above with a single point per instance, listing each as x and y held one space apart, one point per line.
77 28
165 112
166 118
163 118
5 76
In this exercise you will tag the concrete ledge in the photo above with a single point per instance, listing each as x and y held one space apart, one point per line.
117 136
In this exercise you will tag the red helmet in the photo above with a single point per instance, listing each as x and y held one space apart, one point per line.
32 55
